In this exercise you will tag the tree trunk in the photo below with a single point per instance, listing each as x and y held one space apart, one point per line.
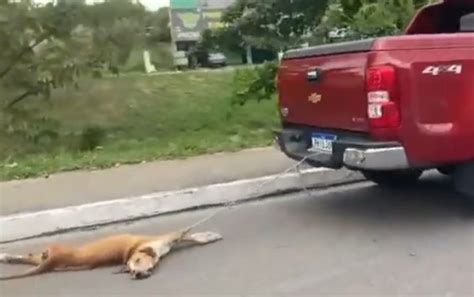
249 55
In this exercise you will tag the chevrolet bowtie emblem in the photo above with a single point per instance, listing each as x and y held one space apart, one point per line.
315 98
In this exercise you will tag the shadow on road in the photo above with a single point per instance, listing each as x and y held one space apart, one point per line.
433 200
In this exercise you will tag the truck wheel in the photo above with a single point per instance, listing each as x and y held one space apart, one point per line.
394 177
464 179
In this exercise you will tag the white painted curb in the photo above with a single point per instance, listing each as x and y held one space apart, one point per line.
28 225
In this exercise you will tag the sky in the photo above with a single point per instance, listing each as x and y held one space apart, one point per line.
155 4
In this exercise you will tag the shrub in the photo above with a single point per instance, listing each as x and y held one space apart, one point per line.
91 138
257 83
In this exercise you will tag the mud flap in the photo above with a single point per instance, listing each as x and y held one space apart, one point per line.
464 179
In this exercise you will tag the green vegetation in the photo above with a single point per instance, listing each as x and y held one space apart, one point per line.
61 110
366 18
131 119
50 47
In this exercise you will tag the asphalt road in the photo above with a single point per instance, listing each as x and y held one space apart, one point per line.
352 240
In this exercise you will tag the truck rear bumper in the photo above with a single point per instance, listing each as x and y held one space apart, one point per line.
390 158
351 152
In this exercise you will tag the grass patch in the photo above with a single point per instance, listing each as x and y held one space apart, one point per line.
131 119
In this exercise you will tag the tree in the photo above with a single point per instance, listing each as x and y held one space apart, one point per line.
49 47
367 18
273 24
71 1
157 24
37 48
117 26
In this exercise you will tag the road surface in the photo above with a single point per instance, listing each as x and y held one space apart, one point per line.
352 240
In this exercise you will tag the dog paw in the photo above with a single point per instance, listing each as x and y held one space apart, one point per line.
6 258
206 237
3 258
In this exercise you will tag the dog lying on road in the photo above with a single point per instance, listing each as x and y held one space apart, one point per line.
138 254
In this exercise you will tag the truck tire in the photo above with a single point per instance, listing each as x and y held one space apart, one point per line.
464 180
394 177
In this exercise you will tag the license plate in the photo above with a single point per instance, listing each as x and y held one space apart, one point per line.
322 142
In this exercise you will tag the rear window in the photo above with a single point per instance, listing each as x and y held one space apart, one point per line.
443 18
467 23
455 19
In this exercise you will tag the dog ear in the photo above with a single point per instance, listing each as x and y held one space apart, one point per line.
129 252
148 251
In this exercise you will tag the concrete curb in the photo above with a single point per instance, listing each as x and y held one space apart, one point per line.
29 225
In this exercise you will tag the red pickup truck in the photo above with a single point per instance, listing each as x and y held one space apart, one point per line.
390 107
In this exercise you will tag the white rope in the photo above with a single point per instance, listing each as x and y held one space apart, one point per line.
228 205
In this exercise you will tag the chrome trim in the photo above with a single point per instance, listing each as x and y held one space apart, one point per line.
392 158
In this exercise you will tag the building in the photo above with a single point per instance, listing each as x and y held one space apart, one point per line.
189 18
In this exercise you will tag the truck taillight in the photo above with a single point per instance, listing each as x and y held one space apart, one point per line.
383 106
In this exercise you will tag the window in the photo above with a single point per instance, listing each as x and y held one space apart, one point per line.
467 23
443 18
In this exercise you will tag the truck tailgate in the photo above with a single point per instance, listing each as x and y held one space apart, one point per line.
437 97
325 86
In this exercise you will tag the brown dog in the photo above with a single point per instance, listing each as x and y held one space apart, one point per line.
140 254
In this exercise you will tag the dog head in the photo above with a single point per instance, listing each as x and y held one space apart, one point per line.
141 263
